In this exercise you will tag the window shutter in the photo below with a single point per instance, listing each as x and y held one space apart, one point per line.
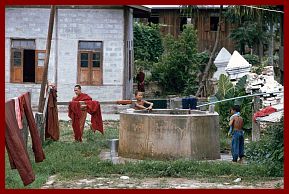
84 70
96 69
207 24
223 26
39 65
16 65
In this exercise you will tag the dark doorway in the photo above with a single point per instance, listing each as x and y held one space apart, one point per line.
29 66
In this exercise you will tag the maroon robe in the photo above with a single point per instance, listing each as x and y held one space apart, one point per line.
52 123
25 107
16 149
78 115
15 146
82 97
140 81
75 113
93 108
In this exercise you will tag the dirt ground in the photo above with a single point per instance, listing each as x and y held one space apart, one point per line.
124 182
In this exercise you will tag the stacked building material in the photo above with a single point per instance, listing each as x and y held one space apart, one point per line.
265 83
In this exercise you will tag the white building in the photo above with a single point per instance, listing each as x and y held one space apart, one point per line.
91 46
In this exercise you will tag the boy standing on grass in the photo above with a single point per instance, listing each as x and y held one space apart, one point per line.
139 104
236 130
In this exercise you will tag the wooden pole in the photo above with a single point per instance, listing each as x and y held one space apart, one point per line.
40 125
256 125
46 61
24 131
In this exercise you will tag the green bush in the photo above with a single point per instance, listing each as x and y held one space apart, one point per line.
269 150
252 59
226 90
178 67
147 45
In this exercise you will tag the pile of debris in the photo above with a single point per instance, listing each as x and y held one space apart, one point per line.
265 83
236 67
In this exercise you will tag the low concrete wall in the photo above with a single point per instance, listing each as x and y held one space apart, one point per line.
169 134
152 89
105 108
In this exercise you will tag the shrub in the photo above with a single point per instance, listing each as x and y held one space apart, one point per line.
178 65
269 150
147 45
252 59
226 90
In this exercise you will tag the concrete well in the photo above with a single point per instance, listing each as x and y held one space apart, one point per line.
169 134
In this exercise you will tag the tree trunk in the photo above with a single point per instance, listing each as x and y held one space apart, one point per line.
271 44
242 48
260 43
46 61
208 66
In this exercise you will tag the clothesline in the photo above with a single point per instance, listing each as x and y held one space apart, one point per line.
264 9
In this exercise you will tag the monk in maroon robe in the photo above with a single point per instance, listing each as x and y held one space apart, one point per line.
140 77
78 113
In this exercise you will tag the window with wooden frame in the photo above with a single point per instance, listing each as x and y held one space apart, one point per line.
214 21
27 64
90 62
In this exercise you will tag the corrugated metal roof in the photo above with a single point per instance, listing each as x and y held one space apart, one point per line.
178 6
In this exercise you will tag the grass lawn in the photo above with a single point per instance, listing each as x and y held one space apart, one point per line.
71 160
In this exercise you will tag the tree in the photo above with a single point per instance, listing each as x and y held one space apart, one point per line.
253 23
205 74
178 64
147 45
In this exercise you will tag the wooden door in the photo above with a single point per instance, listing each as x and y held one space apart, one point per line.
96 69
17 65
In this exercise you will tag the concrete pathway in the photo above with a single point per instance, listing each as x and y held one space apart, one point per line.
106 155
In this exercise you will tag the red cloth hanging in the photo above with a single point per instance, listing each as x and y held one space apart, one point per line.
25 108
16 150
15 146
52 123
264 112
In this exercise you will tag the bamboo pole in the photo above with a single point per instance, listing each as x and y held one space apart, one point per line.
256 125
251 95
